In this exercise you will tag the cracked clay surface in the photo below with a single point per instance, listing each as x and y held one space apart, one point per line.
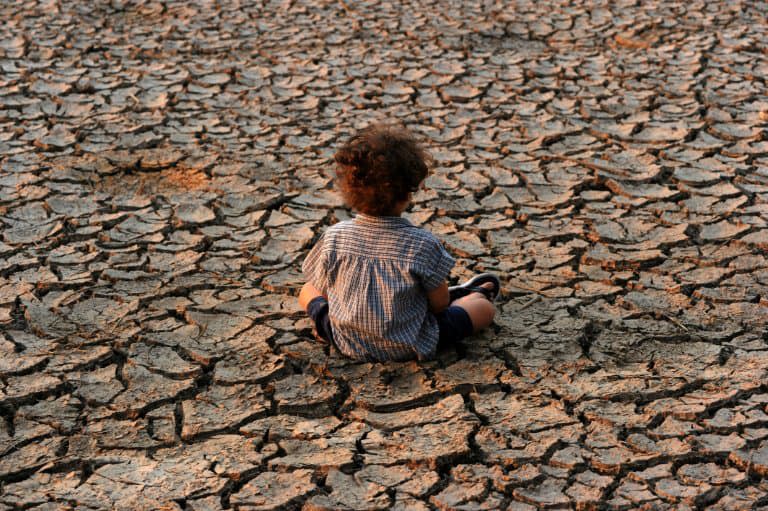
165 166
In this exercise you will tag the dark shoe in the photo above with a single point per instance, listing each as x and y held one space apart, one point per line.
473 286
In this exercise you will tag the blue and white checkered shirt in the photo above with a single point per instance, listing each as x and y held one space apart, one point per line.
375 272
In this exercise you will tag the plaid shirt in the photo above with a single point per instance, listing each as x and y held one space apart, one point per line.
375 272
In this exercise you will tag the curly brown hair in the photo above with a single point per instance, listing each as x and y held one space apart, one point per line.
378 167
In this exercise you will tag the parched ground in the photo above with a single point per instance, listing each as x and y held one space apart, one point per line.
164 168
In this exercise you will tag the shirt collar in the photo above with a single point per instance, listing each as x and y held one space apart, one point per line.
382 221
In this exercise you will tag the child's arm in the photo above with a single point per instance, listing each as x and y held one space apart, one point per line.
439 298
308 293
315 268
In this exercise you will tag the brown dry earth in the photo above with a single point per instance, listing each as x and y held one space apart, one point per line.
165 166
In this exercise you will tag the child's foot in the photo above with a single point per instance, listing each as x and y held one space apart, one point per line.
489 295
486 284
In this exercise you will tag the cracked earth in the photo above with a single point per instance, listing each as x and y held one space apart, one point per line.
165 166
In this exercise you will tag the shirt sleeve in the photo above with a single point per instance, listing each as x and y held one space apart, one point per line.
315 266
440 265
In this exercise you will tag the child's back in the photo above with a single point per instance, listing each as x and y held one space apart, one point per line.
374 272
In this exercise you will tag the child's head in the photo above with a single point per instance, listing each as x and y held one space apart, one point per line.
379 167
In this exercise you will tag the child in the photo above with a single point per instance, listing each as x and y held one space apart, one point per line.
376 285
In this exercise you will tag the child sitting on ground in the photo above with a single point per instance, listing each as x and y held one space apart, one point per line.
376 285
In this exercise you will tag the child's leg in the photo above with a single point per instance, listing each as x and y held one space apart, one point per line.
307 294
478 307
